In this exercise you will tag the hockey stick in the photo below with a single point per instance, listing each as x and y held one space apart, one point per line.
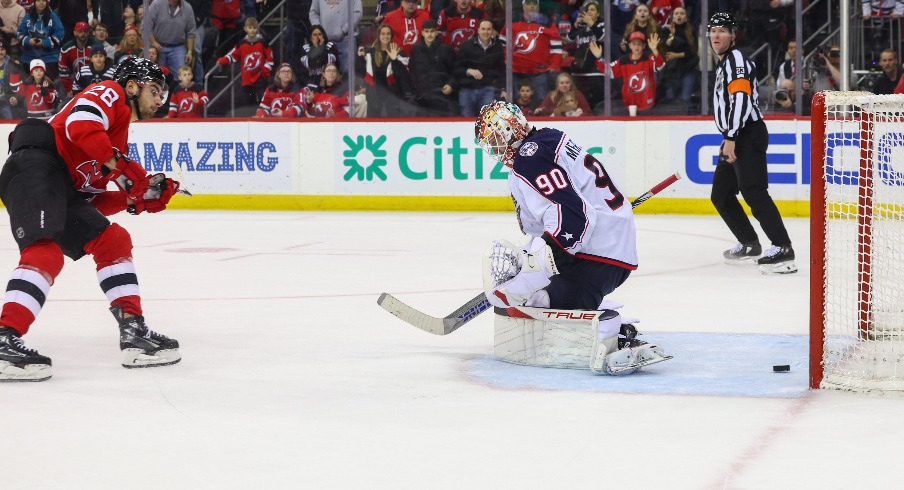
478 304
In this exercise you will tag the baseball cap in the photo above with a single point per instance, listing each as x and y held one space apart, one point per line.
637 35
36 64
81 26
529 1
98 48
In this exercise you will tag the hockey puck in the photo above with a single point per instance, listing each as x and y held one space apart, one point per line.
784 368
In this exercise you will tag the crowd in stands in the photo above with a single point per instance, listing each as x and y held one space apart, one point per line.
411 57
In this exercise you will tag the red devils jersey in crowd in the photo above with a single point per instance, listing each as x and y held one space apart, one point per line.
325 101
88 128
406 32
276 98
256 57
182 101
39 101
456 28
535 47
639 86
72 59
661 10
225 13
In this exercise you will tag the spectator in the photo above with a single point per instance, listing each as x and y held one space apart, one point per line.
536 47
139 16
224 17
588 26
622 14
526 100
891 72
431 67
39 34
129 18
638 69
281 95
553 101
74 55
642 22
661 10
459 23
101 34
784 78
568 107
71 12
385 71
384 7
333 16
130 46
170 27
318 52
679 74
38 92
9 80
255 57
494 10
479 70
406 23
825 72
436 7
330 99
187 98
879 8
99 69
11 14
111 13
299 26
201 9
154 55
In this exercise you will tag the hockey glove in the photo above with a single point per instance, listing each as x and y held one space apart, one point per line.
160 191
130 176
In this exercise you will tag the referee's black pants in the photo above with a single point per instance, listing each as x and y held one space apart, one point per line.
748 176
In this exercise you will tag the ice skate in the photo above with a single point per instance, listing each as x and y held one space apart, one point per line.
633 354
141 346
18 362
743 253
778 260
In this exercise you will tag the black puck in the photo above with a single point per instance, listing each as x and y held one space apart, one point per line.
784 368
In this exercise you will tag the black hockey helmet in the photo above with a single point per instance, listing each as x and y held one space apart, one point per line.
139 69
722 19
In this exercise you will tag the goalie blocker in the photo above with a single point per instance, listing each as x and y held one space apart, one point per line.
574 339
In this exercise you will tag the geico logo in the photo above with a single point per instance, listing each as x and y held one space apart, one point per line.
843 150
788 158
207 156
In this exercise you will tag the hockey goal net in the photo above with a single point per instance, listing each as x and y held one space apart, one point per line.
857 243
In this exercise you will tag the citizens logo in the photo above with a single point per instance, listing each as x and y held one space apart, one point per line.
374 167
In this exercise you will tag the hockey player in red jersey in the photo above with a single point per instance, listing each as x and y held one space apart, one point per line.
54 187
580 228
188 98
638 69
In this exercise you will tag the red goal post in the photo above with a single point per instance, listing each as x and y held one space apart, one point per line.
857 243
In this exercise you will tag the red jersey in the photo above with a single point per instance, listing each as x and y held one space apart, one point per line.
72 59
225 13
182 101
406 32
639 87
455 27
324 101
537 48
88 128
39 101
256 57
280 98
661 10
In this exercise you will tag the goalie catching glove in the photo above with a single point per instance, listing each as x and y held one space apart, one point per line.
516 276
147 192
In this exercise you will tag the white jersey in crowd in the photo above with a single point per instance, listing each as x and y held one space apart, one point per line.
561 190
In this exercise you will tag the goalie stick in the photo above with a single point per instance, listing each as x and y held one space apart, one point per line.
478 304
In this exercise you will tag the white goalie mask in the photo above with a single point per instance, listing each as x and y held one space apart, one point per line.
499 129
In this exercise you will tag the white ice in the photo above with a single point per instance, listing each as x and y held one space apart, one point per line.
293 377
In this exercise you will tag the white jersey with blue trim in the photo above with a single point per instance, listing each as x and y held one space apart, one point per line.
561 190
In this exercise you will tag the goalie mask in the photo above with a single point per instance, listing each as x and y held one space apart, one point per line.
499 130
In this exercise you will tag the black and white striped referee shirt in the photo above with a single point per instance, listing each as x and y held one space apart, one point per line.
735 95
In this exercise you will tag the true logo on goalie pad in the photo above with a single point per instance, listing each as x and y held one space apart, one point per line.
528 149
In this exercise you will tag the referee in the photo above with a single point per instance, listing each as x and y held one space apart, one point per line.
742 160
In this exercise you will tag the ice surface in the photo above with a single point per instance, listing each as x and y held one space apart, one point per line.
293 377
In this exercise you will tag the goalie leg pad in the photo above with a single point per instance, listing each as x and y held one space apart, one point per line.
605 328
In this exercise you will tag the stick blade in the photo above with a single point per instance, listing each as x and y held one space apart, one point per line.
413 317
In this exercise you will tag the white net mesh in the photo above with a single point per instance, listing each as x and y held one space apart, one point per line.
863 313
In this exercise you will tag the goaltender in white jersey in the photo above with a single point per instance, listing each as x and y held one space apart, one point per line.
582 246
